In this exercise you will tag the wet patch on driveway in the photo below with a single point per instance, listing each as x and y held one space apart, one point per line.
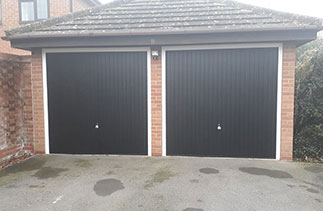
312 190
109 173
30 164
312 184
82 163
107 186
209 171
160 176
266 172
314 169
19 170
194 181
192 209
49 172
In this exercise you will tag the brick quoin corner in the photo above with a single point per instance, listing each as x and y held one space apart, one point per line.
287 114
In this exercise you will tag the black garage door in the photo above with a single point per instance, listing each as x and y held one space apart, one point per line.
222 102
97 102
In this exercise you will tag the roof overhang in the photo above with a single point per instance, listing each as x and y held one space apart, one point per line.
298 37
158 32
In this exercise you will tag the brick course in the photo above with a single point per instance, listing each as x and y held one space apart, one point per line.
79 5
38 104
10 19
16 130
287 113
156 105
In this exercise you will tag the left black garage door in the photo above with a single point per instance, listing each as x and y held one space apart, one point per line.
97 102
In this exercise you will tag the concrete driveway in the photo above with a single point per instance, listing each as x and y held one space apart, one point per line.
61 182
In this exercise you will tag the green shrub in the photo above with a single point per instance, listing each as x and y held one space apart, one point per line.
308 130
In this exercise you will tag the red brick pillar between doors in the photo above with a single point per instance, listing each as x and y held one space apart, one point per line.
156 104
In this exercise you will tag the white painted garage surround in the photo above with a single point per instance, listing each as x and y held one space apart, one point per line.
164 50
94 50
219 47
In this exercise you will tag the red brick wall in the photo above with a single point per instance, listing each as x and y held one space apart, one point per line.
62 7
287 114
59 7
79 5
10 18
37 99
156 103
16 131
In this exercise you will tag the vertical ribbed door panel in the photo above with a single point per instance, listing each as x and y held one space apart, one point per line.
222 102
97 102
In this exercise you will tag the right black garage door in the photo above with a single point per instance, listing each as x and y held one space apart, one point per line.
222 102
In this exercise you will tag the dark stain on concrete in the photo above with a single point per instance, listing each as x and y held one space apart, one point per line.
36 186
117 167
312 184
321 178
11 186
152 160
192 209
109 173
266 172
16 171
194 181
209 171
27 165
303 186
291 186
82 163
107 186
312 190
314 169
3 173
160 176
159 197
49 172
318 200
200 201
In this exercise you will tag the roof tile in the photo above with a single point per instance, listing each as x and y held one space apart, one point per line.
125 17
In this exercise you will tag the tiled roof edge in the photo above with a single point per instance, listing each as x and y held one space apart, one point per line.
303 22
303 18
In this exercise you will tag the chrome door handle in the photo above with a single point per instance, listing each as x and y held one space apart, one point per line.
97 126
219 128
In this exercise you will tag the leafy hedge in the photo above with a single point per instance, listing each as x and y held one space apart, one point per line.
308 129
